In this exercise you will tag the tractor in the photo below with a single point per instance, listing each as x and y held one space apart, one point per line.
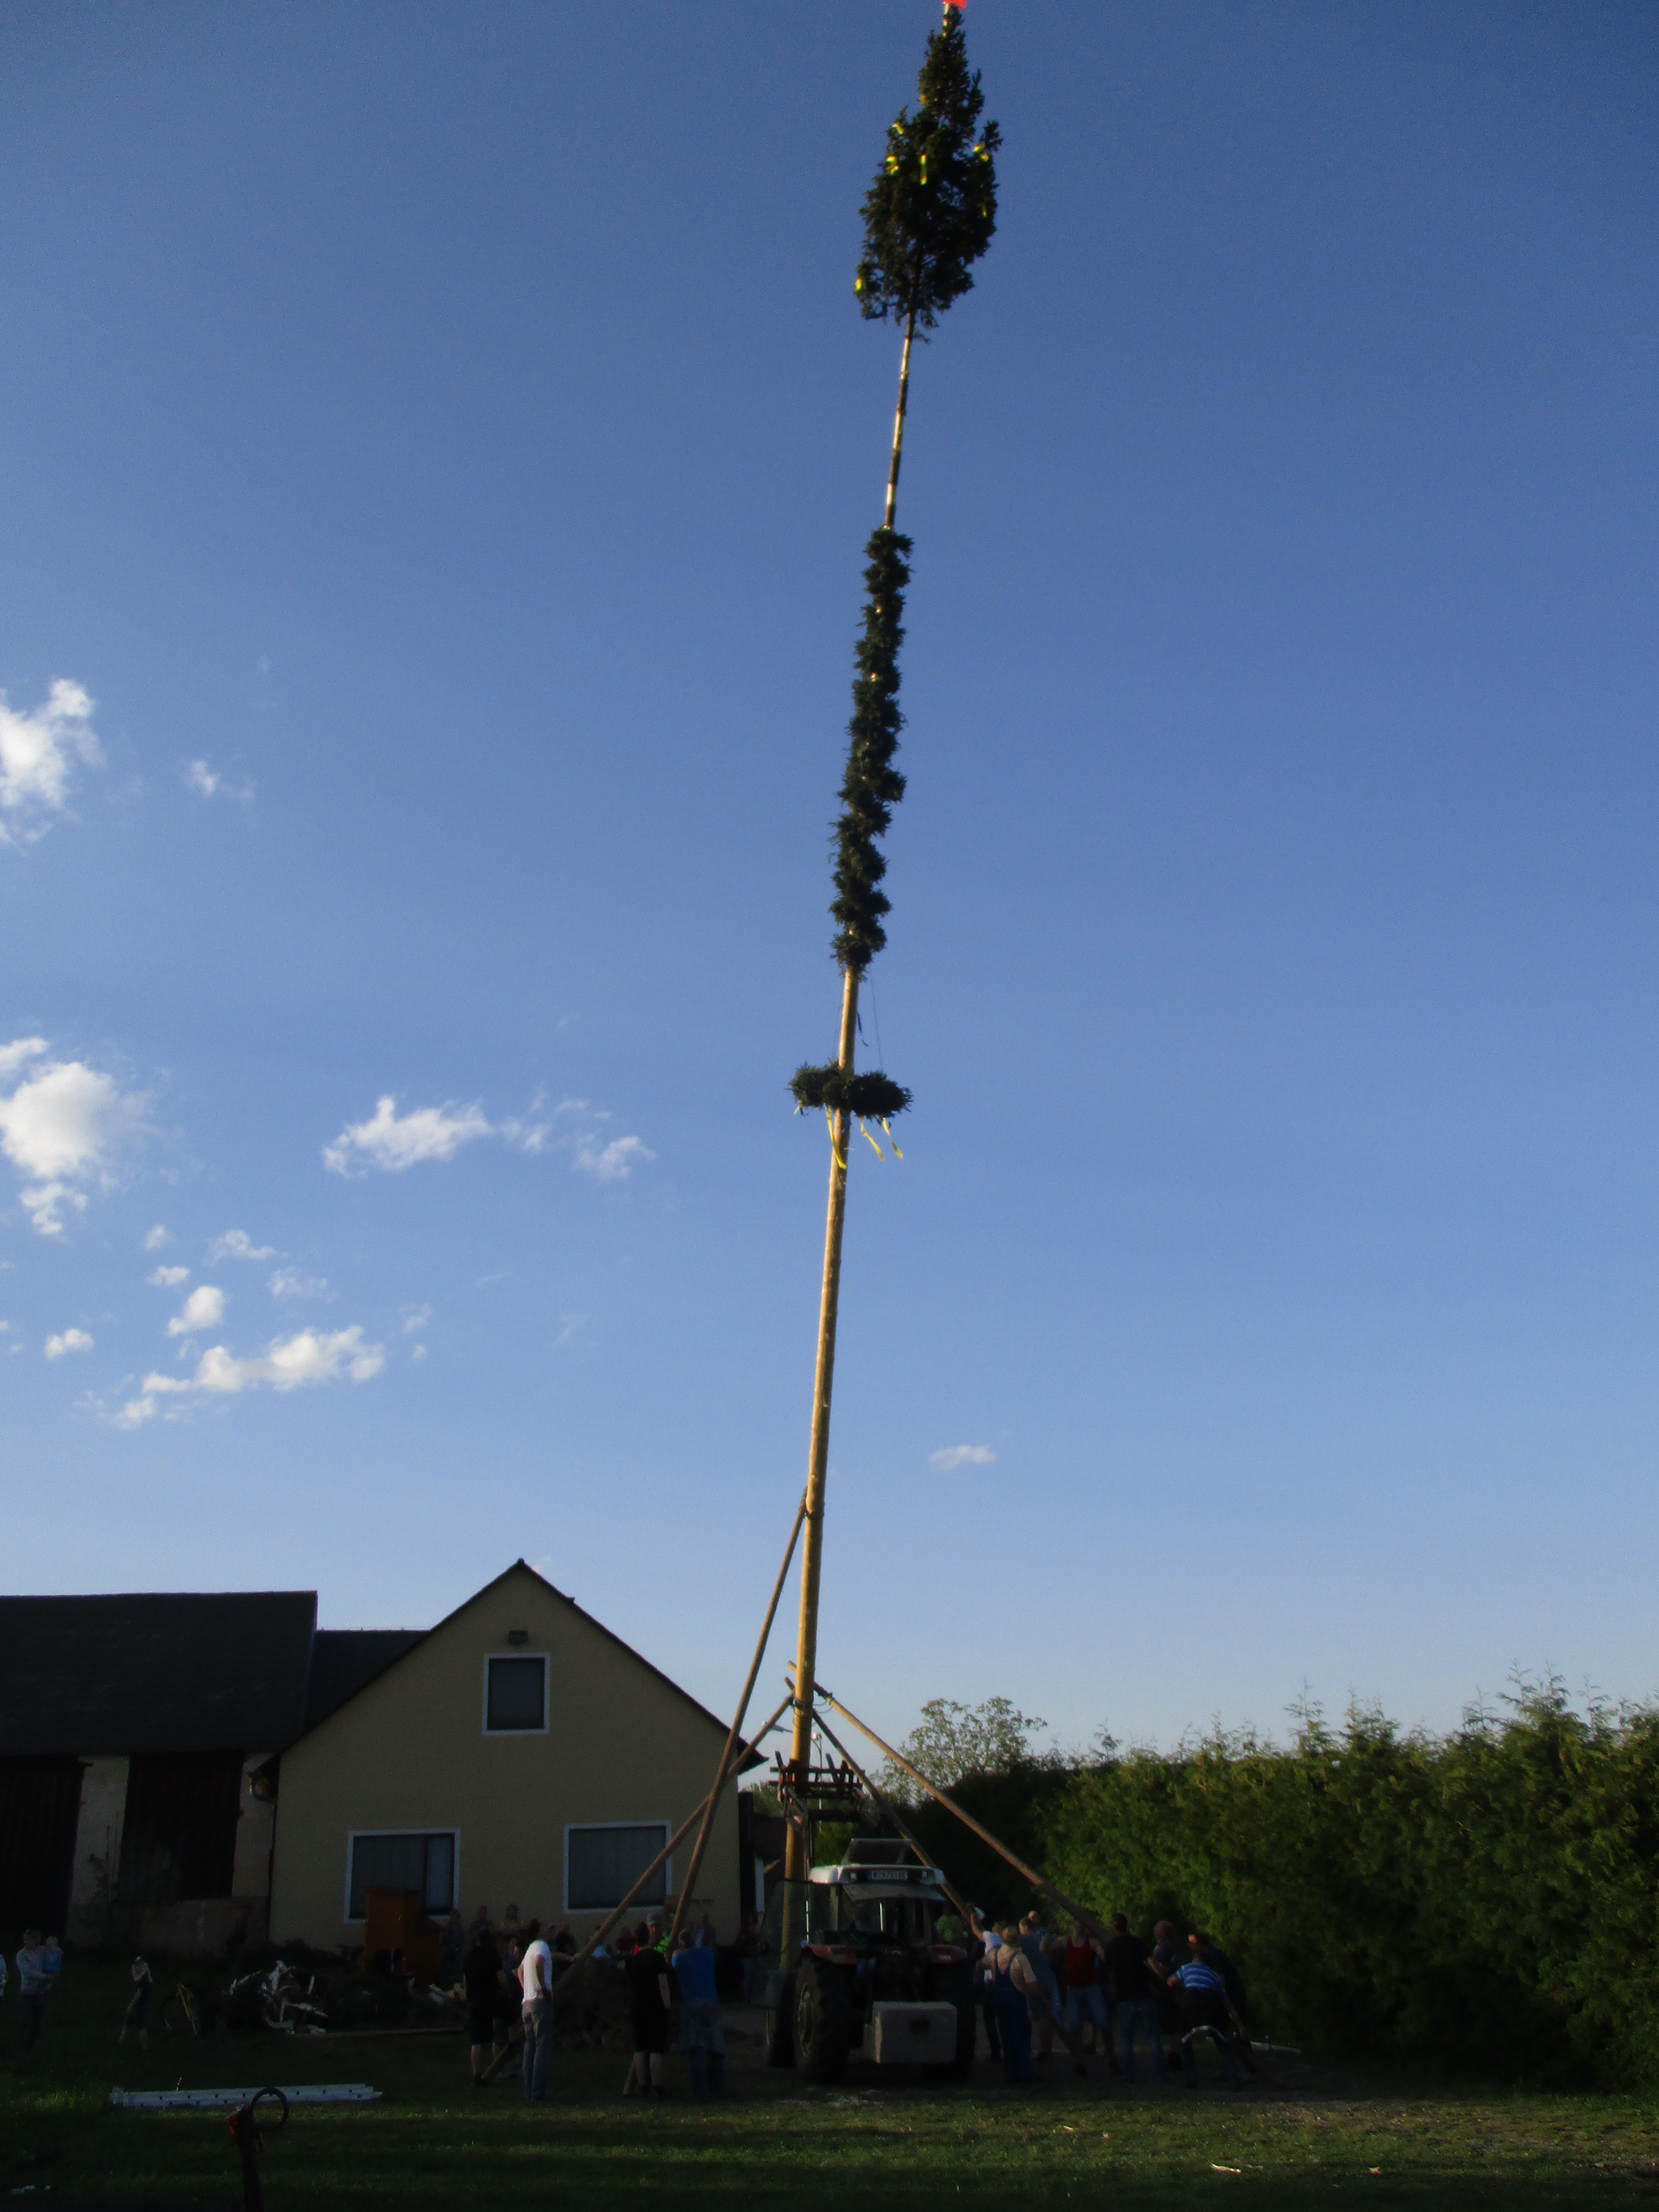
872 1979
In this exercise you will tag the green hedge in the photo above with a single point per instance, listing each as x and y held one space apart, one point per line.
1487 1897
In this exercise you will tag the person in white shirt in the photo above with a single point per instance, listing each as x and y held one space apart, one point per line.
536 1983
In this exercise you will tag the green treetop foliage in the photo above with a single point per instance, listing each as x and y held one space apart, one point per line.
951 1741
932 207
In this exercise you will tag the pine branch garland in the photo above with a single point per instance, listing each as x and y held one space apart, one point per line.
872 1096
872 787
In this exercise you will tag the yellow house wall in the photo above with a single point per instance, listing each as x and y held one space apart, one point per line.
410 1752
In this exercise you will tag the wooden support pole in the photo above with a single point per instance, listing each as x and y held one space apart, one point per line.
1084 1918
661 1859
889 1811
734 1737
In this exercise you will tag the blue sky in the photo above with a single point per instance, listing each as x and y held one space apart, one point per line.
439 446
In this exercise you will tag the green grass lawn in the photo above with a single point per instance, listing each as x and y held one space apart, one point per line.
434 2142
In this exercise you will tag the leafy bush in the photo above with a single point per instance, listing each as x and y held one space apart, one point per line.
1488 1898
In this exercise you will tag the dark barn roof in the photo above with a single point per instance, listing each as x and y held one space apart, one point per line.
345 1659
161 1672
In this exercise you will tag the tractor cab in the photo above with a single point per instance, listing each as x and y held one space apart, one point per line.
873 1979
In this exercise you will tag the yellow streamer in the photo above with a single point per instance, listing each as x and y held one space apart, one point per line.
828 1122
891 1139
871 1141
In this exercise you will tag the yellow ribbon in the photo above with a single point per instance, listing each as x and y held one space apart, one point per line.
830 1125
871 1141
891 1139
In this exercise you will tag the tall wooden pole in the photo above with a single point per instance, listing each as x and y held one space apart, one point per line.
797 1863
899 425
797 1860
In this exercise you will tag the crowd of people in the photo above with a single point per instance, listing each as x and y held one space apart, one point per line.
1105 1994
508 1974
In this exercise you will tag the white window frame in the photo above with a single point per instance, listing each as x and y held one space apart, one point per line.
437 1829
546 1658
585 1828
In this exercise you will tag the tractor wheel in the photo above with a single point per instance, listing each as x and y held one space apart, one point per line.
780 2038
823 2017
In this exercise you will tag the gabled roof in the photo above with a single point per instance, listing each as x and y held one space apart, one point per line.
750 1757
343 1660
153 1672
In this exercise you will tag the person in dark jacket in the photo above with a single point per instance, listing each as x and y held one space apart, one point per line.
481 1977
1128 1971
648 1996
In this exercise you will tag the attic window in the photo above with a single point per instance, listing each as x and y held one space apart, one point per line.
515 1696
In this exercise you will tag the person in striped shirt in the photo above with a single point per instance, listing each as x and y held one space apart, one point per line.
1202 1994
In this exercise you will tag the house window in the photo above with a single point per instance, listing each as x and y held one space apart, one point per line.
515 1696
422 1862
601 1865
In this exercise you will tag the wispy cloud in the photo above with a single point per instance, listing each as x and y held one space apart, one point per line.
38 755
168 1278
210 782
204 1309
237 1244
157 1239
72 1339
293 1363
570 1325
288 1283
415 1319
391 1141
956 1456
61 1128
613 1161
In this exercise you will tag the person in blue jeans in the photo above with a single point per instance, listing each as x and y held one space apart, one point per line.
1129 1984
702 2034
1014 1987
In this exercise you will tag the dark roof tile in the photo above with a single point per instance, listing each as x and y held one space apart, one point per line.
153 1672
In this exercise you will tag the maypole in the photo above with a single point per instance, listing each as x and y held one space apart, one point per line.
928 216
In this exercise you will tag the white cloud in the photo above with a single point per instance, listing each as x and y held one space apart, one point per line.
956 1456
288 1283
391 1142
61 1126
204 1309
157 1239
570 1326
37 752
293 1363
209 783
418 1353
617 1160
72 1339
415 1319
237 1244
13 1055
168 1278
